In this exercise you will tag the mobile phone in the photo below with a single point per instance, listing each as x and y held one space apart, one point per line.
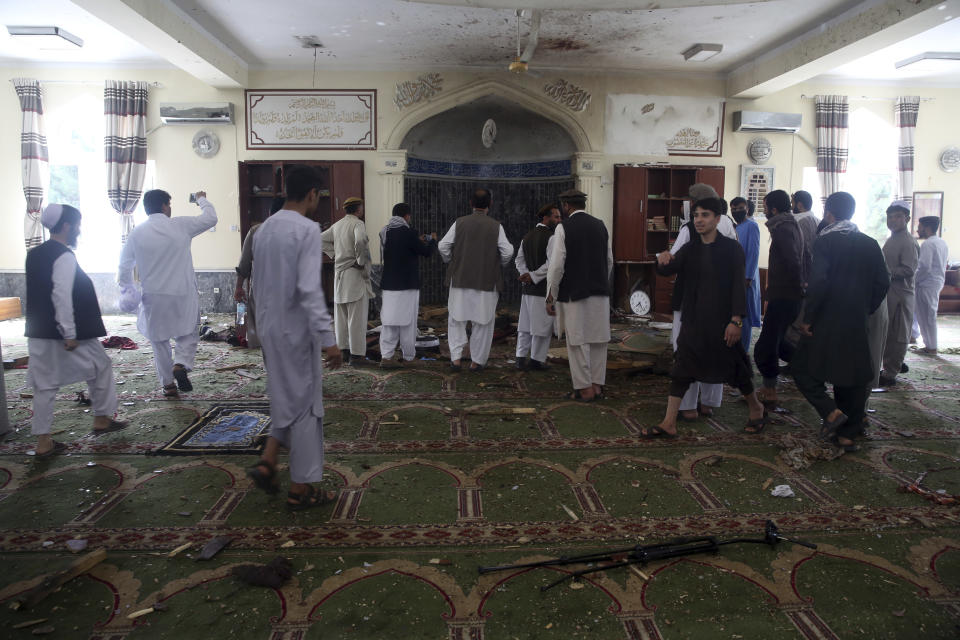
193 198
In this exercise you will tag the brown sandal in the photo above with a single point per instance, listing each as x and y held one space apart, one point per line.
171 391
312 497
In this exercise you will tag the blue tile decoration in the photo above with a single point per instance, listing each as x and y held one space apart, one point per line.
503 171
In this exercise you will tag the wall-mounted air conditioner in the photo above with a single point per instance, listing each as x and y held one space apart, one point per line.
757 121
196 112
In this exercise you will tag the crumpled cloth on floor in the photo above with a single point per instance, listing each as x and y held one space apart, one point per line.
119 342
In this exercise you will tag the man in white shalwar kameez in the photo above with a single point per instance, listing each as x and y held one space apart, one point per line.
170 307
401 248
535 327
476 248
901 253
578 293
346 243
63 329
931 274
295 331
701 396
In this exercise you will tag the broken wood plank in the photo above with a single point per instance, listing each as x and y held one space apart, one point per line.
233 367
51 583
29 623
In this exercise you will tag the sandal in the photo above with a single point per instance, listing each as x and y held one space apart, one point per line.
56 449
312 497
684 418
829 429
656 432
576 395
180 375
114 425
265 481
171 391
847 448
476 368
757 425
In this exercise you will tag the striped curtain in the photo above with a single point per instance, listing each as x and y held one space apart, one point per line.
905 110
33 156
833 132
125 147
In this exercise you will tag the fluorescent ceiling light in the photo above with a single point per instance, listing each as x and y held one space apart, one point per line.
700 52
47 37
928 55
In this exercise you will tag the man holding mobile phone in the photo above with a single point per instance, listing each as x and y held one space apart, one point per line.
170 307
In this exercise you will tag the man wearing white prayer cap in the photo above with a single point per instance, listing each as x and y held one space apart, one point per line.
63 329
170 306
902 253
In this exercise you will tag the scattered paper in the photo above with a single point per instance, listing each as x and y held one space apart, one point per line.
782 491
288 544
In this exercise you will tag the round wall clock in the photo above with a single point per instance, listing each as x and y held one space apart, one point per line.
206 144
639 302
950 159
489 133
760 150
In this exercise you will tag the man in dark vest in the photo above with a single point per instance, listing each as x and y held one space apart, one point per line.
578 293
476 248
63 328
401 247
535 327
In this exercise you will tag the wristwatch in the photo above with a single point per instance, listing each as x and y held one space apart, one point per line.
738 323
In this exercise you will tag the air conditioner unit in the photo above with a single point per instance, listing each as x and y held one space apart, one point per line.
757 121
196 112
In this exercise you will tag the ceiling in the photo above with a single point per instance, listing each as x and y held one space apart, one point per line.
456 34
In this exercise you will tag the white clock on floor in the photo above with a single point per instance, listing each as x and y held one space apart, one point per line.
639 302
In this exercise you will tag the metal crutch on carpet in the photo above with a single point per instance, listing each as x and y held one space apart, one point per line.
642 554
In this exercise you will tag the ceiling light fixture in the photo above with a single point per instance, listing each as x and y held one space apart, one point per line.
928 55
701 52
47 37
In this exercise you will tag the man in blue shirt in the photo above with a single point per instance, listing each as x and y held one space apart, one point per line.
748 233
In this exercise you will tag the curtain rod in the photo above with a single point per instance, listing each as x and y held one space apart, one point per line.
155 85
804 96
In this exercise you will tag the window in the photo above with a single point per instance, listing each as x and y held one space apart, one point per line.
75 129
872 171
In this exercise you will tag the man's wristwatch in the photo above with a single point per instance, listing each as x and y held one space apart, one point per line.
738 323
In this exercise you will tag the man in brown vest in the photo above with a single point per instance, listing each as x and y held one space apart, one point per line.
476 248
578 293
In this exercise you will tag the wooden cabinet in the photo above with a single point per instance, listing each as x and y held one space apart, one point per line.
262 180
648 204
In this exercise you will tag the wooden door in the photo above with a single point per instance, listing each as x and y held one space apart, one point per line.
347 182
713 176
629 213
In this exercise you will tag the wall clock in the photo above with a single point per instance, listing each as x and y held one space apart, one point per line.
206 144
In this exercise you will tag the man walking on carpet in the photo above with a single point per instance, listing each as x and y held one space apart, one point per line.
63 327
346 243
748 234
476 248
847 284
170 307
295 331
578 293
714 303
401 247
535 327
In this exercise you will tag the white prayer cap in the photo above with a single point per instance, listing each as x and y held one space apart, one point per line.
901 204
51 215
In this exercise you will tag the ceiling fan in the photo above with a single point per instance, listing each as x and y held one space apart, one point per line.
521 63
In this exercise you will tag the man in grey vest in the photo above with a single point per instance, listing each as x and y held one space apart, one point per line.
476 248
578 293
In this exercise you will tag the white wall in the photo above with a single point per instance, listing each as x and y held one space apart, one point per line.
180 171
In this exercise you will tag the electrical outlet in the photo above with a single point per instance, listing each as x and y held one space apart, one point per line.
216 289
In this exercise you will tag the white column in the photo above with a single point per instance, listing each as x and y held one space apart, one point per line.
391 166
586 167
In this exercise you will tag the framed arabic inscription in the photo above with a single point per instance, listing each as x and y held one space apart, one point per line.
311 118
